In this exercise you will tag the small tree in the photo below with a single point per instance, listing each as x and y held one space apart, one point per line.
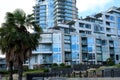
110 62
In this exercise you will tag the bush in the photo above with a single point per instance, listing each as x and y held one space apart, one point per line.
7 71
68 66
54 65
110 62
62 65
4 71
45 70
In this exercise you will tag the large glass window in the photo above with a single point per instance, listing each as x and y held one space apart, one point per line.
104 42
75 47
42 14
91 56
98 48
91 44
98 28
57 58
75 55
45 47
42 7
111 24
81 24
74 39
42 11
42 19
110 17
42 22
98 41
88 26
99 57
67 46
119 23
56 47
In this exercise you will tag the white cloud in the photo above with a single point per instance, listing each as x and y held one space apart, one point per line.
11 5
85 5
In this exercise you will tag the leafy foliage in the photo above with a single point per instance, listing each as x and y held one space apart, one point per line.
110 62
16 42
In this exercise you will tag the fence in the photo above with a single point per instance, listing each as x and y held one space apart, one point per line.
80 74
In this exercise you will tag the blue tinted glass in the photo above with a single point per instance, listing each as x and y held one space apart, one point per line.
91 40
42 7
119 20
119 26
73 46
74 38
75 55
119 23
112 18
55 49
57 57
89 49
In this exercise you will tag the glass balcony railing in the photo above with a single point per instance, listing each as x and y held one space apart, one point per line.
46 40
84 42
45 50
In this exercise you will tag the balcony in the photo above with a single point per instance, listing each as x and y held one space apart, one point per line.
84 50
68 58
111 52
111 45
99 51
42 51
67 41
46 40
47 62
84 42
67 49
46 51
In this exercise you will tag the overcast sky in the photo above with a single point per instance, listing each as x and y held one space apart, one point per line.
85 7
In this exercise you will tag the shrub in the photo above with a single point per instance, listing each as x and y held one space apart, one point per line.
110 62
62 65
54 65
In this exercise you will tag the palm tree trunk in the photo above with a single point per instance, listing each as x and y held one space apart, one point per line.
10 70
20 71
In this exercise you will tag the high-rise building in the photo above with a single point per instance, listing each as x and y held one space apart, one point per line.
91 40
49 13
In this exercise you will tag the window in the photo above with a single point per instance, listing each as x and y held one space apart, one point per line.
109 17
98 48
99 57
112 18
107 23
119 23
98 28
117 57
42 7
88 26
88 32
81 24
104 42
98 41
91 56
110 24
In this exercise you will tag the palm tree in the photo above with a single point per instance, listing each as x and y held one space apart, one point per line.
16 42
